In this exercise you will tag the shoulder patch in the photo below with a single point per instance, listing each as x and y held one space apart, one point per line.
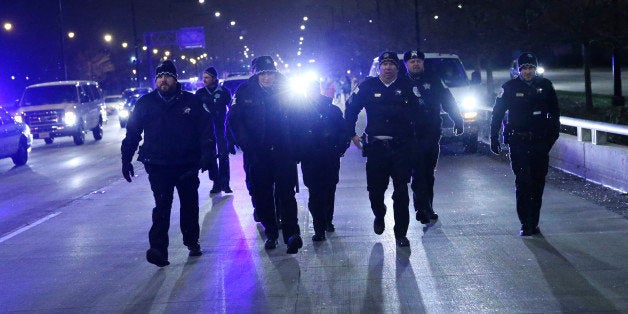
500 92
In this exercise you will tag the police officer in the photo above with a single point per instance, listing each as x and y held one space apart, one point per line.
177 142
388 101
531 128
216 100
260 124
433 96
321 142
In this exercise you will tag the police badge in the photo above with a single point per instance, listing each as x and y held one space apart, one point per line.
415 90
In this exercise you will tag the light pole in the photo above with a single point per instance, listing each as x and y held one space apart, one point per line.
61 42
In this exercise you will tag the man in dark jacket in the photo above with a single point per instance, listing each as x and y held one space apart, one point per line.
433 96
261 127
530 131
177 142
321 140
216 100
389 104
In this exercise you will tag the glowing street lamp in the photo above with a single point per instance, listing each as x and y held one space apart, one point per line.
305 18
217 14
71 34
232 23
108 38
302 27
125 44
7 26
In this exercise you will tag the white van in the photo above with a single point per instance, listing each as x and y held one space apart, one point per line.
64 108
450 69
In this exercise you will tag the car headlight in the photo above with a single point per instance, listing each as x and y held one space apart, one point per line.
18 118
123 113
69 118
540 70
470 115
469 103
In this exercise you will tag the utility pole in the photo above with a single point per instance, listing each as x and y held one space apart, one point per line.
135 46
61 42
417 26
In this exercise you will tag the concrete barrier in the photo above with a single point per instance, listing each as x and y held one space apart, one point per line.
603 164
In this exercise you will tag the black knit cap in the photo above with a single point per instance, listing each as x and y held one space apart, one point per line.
211 71
263 64
413 54
390 56
527 59
166 68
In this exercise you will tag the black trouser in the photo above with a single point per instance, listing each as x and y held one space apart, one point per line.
163 180
218 121
320 175
425 157
389 159
222 181
530 161
271 174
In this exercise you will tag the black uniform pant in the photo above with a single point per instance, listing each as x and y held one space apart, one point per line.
222 181
529 160
425 157
389 159
320 175
163 180
271 174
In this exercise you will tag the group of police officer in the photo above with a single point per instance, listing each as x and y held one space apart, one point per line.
276 129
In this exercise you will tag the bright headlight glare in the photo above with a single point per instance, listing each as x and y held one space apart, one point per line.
69 118
469 115
469 103
123 113
540 70
18 118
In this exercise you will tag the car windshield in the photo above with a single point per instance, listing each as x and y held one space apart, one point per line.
232 85
49 95
113 99
450 70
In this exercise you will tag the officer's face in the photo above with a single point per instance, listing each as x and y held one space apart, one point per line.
267 79
166 83
388 70
209 80
527 73
415 66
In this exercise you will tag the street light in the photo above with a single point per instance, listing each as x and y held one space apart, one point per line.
8 26
71 35
107 37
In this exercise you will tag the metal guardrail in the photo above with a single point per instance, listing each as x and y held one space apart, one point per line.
594 131
587 130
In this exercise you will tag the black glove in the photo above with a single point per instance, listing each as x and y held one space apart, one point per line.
127 171
458 128
495 146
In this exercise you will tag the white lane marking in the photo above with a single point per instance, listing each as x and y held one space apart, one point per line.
18 231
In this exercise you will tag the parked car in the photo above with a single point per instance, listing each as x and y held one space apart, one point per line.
135 92
15 139
514 70
125 111
113 103
451 71
233 82
63 108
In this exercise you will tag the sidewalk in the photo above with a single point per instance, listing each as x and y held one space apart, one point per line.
90 257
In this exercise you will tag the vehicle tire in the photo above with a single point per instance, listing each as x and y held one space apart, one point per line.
97 131
471 144
49 140
21 156
79 137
